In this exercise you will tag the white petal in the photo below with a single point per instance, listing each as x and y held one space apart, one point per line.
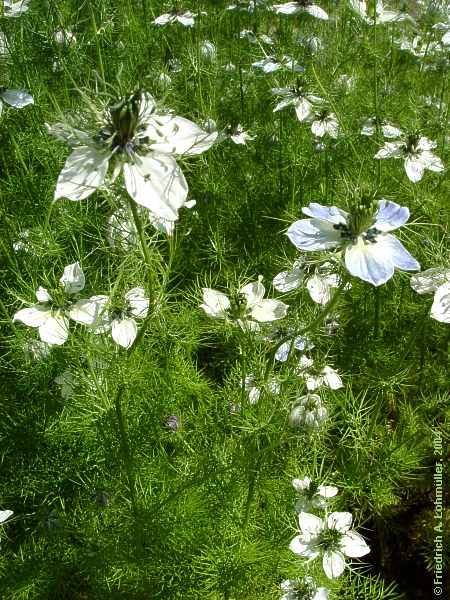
317 12
90 311
55 329
254 292
16 98
331 214
400 257
430 280
73 278
333 564
389 131
283 352
187 20
303 109
283 103
157 183
5 514
327 491
164 19
431 161
301 485
353 545
42 295
298 546
288 280
321 594
332 378
414 168
318 128
319 289
138 302
390 215
370 262
84 171
314 234
124 331
310 524
34 316
177 135
288 8
215 304
390 150
341 521
441 304
268 310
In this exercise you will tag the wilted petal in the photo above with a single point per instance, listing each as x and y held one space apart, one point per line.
124 331
440 309
157 182
333 564
287 281
55 329
84 171
73 278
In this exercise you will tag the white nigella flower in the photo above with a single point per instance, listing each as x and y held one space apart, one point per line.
382 15
325 123
416 152
15 8
309 412
50 315
370 251
140 142
330 538
238 135
293 8
64 37
248 309
320 285
437 281
249 5
388 130
15 98
98 313
187 18
270 64
312 495
5 514
314 380
303 102
254 392
303 589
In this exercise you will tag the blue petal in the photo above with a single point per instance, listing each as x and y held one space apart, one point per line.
370 262
313 234
390 215
401 258
332 214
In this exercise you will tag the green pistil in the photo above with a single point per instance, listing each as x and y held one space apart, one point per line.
238 306
329 539
124 116
411 144
310 405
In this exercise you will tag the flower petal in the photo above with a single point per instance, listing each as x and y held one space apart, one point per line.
298 546
157 182
390 215
55 329
5 514
414 168
73 278
353 545
215 304
430 280
138 302
84 171
254 292
34 316
16 98
341 521
440 309
390 150
287 281
310 524
370 262
124 331
333 564
91 312
269 310
177 135
400 257
314 234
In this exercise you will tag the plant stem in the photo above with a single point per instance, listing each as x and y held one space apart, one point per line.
143 243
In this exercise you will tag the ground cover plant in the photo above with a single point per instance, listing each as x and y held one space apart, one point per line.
225 303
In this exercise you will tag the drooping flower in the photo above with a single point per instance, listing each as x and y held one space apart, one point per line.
247 310
15 98
416 152
303 102
371 252
330 538
142 143
311 494
270 64
303 589
437 281
15 8
184 18
293 8
382 16
50 315
388 130
315 379
101 315
309 412
325 123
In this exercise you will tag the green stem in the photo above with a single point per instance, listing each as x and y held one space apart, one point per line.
143 243
376 326
250 493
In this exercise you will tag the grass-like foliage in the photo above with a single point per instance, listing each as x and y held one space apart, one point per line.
176 423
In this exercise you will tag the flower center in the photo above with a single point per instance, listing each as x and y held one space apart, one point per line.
359 223
329 539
